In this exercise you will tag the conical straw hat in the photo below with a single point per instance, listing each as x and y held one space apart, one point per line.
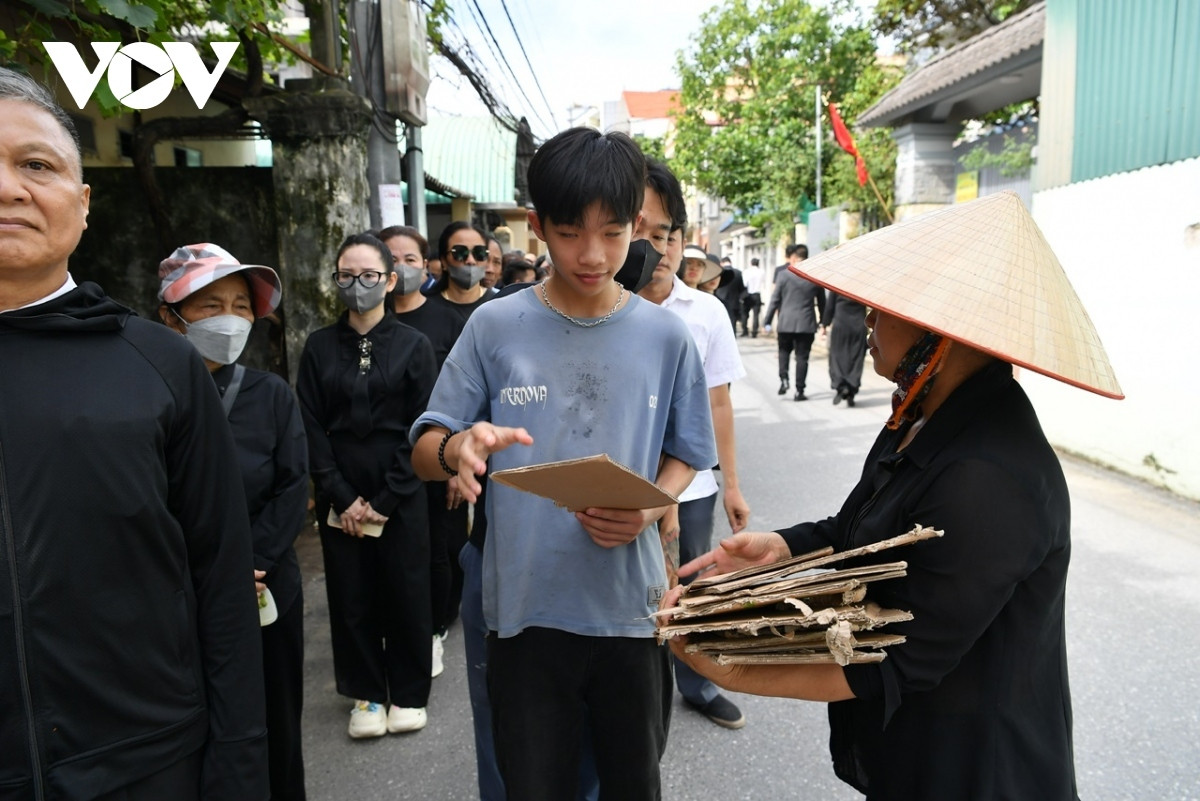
980 273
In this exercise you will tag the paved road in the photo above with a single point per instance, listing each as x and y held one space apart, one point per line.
1134 642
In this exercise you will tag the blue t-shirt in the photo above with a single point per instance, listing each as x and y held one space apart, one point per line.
632 387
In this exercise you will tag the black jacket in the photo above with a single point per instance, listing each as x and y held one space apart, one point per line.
976 703
800 303
377 465
128 624
272 453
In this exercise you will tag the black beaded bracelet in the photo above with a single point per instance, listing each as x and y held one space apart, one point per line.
442 454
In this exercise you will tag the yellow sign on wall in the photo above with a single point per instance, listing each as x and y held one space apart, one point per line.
966 186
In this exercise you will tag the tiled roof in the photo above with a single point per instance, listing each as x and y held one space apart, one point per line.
1018 34
651 105
474 154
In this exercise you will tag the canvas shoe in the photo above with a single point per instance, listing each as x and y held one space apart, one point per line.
438 650
401 719
721 711
367 719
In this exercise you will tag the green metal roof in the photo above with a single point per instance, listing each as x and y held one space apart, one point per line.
475 154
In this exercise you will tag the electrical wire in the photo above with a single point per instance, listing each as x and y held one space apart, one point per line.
521 44
499 53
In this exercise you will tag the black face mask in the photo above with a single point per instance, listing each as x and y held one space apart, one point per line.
639 265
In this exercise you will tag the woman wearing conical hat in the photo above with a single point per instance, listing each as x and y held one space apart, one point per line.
975 704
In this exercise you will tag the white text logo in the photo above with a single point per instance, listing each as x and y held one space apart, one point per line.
523 396
118 61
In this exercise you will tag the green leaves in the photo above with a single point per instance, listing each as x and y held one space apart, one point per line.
749 81
137 15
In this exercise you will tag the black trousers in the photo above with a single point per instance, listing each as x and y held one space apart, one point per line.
177 782
283 669
751 306
547 687
447 536
379 616
802 344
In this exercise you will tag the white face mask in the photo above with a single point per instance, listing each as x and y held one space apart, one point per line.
219 339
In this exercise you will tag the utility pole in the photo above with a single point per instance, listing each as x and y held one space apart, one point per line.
416 179
817 128
366 79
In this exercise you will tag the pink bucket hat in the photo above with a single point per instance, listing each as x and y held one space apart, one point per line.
193 267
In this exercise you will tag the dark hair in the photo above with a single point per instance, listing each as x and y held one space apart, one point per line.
513 267
393 231
754 262
802 251
371 241
663 181
18 86
580 166
452 229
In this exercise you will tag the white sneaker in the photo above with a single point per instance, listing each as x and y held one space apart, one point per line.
438 650
401 719
367 719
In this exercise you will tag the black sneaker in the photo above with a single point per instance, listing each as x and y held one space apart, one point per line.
721 711
800 396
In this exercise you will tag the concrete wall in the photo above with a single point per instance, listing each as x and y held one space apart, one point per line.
1130 244
232 207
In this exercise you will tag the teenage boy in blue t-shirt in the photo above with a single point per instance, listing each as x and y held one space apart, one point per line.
573 367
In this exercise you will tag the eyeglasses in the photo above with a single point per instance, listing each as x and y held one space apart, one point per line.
367 278
460 252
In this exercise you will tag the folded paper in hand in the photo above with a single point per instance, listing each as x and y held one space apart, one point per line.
592 482
370 529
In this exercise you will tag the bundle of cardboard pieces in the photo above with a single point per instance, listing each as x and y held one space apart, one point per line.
792 612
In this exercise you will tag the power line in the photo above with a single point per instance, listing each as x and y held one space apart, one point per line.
500 57
521 44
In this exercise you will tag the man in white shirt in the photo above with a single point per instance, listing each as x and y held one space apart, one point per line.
753 276
663 210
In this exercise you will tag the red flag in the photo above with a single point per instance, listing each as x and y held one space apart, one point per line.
846 142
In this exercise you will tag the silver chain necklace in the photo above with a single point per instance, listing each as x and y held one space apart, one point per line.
593 323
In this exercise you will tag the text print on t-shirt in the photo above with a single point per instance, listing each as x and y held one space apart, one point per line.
523 396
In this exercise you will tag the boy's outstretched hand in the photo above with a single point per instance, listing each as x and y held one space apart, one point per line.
474 446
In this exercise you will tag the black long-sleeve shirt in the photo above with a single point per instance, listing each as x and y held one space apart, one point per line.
377 466
130 635
976 703
272 453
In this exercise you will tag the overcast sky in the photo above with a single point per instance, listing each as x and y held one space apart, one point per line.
582 51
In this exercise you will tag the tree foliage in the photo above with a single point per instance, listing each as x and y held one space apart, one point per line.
749 82
917 25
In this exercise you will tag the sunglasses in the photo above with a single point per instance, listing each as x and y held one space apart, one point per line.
460 252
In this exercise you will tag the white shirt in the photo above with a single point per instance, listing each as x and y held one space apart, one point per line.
708 322
62 290
753 276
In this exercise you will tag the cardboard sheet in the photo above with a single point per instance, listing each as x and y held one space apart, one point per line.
577 484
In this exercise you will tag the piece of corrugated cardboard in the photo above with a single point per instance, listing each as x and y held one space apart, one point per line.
592 482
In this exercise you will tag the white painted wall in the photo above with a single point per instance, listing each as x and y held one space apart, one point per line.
1130 244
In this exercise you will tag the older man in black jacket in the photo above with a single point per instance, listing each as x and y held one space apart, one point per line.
130 657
